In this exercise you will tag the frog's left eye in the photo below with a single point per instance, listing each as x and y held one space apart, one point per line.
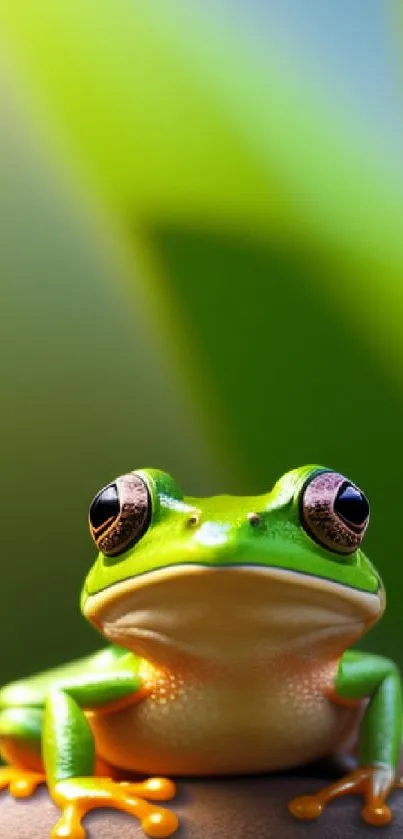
334 512
120 514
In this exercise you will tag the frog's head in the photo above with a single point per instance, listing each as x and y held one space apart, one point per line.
229 576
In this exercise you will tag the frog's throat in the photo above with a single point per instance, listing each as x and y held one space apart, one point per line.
231 613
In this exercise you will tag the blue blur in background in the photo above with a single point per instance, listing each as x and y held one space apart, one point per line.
202 270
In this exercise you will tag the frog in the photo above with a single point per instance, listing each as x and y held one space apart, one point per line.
229 626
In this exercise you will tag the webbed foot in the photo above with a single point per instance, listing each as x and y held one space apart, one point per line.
374 783
20 782
77 796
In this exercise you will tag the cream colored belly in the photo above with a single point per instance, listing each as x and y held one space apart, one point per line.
193 723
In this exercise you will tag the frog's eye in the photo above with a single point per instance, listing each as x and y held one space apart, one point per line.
334 512
120 514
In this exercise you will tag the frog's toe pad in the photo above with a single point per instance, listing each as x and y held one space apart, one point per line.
306 807
78 796
376 814
373 782
160 823
158 789
68 826
20 782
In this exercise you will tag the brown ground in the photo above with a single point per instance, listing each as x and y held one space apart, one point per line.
242 808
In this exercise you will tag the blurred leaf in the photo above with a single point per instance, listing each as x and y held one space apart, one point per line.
263 230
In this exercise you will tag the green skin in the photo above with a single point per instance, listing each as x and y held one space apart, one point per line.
47 711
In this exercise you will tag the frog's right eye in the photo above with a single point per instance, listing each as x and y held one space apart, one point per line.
120 514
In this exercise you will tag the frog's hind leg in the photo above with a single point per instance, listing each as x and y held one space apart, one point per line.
20 747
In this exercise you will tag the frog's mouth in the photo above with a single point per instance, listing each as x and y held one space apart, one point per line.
237 612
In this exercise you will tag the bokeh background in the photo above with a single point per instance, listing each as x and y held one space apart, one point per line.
201 245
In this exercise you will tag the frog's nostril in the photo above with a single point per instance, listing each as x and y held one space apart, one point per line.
254 519
193 520
105 506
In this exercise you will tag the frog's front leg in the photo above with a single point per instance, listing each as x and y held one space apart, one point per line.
380 738
69 757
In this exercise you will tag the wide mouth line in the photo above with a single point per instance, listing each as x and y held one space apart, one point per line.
291 574
369 603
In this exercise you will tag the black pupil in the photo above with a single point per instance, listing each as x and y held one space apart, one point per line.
105 506
351 505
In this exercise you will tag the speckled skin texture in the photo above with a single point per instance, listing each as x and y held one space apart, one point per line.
249 695
241 808
208 720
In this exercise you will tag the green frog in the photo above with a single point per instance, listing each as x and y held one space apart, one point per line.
229 622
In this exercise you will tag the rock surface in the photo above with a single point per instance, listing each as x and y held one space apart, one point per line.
242 808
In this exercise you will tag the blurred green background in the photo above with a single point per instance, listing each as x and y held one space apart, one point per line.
201 247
